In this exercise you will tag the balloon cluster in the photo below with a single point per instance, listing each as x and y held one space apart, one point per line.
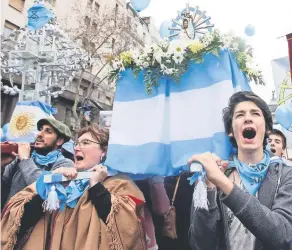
13 90
10 90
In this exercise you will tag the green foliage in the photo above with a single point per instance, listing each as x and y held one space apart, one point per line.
164 59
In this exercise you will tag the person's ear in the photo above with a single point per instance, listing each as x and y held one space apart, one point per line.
231 134
103 157
60 141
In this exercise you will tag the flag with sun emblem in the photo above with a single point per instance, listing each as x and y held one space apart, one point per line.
23 123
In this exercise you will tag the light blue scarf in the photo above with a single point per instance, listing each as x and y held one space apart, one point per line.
252 175
50 158
66 195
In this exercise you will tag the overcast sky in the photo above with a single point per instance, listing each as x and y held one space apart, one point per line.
271 20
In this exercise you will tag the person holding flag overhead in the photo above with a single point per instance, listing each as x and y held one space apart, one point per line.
93 212
249 203
29 164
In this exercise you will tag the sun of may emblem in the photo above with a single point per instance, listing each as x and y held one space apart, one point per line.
22 123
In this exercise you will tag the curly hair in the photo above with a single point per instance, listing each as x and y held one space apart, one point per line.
98 133
246 96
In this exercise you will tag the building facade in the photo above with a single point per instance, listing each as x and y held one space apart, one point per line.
72 15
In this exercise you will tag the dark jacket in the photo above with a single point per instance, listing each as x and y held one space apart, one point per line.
268 217
182 204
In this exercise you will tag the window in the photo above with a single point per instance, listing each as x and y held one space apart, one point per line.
116 13
52 2
113 43
87 21
108 99
92 46
117 9
96 6
129 20
94 27
8 27
84 42
89 3
17 4
68 115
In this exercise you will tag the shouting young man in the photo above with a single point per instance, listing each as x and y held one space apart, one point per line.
250 205
28 166
278 142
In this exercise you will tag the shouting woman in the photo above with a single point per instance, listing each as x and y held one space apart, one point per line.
99 213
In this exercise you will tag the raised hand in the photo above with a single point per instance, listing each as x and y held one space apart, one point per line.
214 168
69 173
23 151
99 175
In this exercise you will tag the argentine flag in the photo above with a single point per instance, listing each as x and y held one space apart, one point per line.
157 134
23 124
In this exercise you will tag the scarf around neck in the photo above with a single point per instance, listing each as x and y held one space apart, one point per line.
67 196
252 175
50 158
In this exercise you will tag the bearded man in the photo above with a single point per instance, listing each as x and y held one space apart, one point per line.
29 163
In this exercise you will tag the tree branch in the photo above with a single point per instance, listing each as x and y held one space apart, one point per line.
76 100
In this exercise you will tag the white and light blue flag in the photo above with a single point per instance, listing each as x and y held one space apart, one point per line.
23 124
157 134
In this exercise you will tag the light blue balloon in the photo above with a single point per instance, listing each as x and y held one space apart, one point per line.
249 30
283 115
4 132
140 5
38 16
163 30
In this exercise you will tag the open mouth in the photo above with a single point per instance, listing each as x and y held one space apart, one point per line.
79 158
273 150
249 133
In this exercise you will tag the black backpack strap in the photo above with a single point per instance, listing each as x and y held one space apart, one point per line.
228 171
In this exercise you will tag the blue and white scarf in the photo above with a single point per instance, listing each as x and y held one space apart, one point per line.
50 158
252 175
68 196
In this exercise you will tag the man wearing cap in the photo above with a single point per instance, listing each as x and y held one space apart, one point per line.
45 156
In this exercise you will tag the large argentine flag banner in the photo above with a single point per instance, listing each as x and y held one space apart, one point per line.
157 134
23 124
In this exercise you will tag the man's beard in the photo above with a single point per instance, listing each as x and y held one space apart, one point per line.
46 149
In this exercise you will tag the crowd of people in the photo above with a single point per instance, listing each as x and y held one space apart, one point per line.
249 196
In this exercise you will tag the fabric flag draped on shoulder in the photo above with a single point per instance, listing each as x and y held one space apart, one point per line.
23 123
156 134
